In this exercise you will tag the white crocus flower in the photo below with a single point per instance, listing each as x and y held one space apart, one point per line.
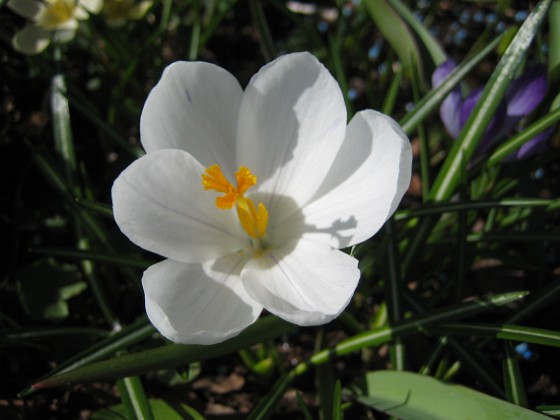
52 20
251 194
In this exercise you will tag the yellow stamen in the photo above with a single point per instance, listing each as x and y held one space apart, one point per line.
254 220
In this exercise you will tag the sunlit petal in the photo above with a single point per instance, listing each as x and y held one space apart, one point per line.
291 125
159 203
194 107
364 186
198 303
306 283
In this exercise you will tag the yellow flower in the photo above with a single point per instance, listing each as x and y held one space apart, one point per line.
51 20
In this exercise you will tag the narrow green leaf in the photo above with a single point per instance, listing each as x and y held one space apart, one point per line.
397 33
393 293
554 41
540 299
79 104
440 208
268 403
430 43
550 410
134 399
411 396
266 41
104 348
325 383
62 129
167 357
407 327
42 332
93 256
195 31
56 180
464 147
515 390
477 366
337 402
505 332
100 208
338 69
303 407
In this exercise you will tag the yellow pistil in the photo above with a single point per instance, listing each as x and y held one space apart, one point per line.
56 13
254 220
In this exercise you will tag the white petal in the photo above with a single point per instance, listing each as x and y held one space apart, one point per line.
291 125
64 35
194 107
81 13
198 303
92 6
365 184
307 285
28 9
139 10
160 204
32 39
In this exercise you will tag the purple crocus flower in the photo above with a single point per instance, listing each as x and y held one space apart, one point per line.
522 97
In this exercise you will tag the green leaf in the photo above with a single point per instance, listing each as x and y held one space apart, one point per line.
45 286
325 382
554 28
134 399
71 253
430 43
506 332
268 403
407 327
437 209
337 402
397 33
410 396
465 146
515 390
166 357
303 407
550 410
62 127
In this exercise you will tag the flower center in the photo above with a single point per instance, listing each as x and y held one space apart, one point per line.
56 13
253 219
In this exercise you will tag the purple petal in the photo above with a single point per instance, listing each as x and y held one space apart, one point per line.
449 113
451 105
536 145
442 71
527 92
